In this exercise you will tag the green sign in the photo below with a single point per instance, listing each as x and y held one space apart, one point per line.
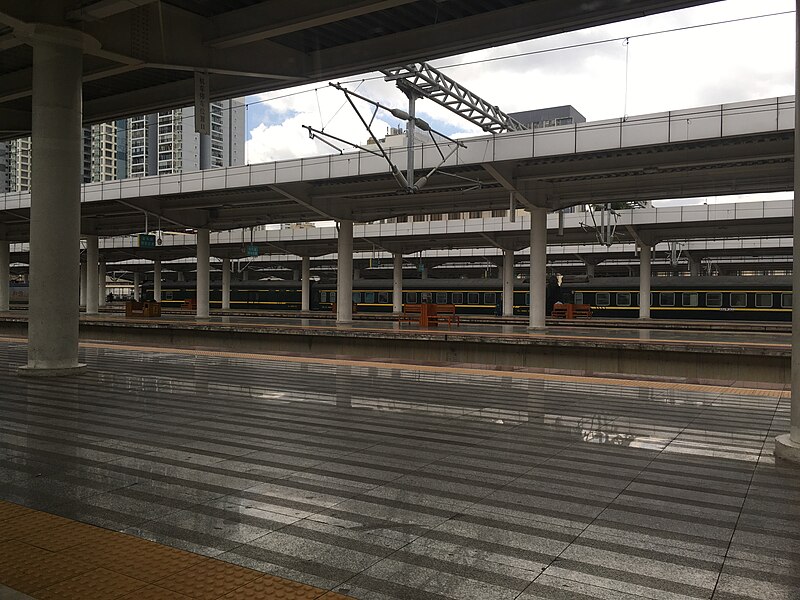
147 241
252 250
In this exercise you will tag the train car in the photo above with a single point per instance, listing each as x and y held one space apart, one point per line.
722 298
267 295
470 296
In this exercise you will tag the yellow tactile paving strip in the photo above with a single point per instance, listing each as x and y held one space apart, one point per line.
52 558
449 331
584 379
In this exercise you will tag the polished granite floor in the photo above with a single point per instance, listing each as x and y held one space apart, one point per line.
395 483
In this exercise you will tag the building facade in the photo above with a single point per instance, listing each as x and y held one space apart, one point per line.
156 144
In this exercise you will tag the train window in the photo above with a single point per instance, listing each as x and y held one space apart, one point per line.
527 298
738 300
369 297
786 300
411 297
602 298
713 299
332 296
473 298
666 299
168 296
489 298
623 298
426 297
690 299
764 300
383 297
441 297
356 297
578 297
458 297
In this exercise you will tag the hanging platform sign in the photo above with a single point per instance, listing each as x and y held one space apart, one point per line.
147 241
252 250
202 108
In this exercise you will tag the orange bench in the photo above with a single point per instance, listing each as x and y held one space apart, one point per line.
571 311
190 304
142 309
445 313
429 315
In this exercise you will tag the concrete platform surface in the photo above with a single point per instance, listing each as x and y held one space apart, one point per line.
389 482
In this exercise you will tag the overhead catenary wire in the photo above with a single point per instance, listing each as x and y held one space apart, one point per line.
511 56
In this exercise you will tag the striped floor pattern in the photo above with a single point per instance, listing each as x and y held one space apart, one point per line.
396 483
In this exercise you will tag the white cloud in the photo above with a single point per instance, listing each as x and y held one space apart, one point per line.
695 67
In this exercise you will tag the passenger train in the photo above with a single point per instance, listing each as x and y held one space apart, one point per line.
723 298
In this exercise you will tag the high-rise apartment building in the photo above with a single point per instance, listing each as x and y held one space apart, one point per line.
166 143
155 144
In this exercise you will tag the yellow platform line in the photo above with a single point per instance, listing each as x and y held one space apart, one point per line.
443 332
50 557
442 369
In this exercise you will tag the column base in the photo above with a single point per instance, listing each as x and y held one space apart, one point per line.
537 327
348 322
786 449
28 371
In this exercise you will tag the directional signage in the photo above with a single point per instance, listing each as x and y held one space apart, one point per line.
252 250
147 241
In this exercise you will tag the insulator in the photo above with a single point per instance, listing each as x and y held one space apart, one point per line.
399 113
398 175
422 124
420 182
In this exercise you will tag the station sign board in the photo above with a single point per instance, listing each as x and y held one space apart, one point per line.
252 250
147 240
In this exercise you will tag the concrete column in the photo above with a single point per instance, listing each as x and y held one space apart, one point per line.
508 283
590 270
538 282
157 280
644 282
305 271
787 446
226 283
694 267
82 292
5 264
92 255
295 275
137 286
344 273
101 284
423 271
203 268
397 284
57 139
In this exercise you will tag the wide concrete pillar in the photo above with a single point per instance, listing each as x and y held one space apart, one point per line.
644 282
226 283
82 284
397 283
344 273
203 272
694 267
590 270
137 286
508 283
305 276
92 265
538 269
157 280
57 155
102 275
5 266
787 446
